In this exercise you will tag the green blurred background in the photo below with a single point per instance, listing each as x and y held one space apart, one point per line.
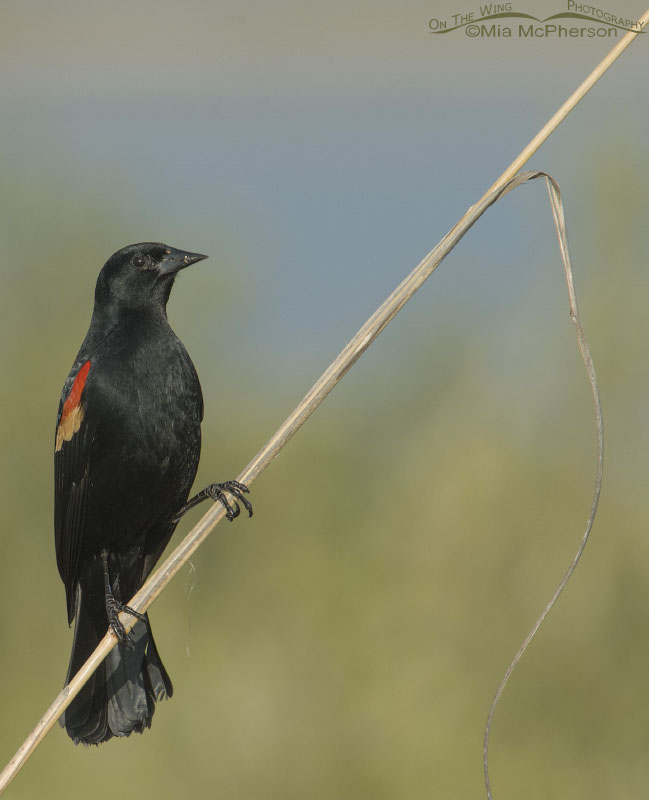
346 642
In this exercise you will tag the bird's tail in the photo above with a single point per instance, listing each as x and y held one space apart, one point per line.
120 696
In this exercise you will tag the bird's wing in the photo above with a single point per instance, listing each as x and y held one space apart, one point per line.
72 456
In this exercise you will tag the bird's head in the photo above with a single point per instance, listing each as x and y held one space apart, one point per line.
141 275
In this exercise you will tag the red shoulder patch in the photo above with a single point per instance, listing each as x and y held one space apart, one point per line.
72 412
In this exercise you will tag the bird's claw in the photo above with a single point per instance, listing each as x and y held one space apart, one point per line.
113 609
232 510
217 492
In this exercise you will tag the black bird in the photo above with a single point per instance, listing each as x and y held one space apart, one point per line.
126 453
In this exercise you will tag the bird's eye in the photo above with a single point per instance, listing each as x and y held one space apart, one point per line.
138 261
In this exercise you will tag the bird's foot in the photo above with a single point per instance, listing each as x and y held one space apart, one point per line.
113 610
115 606
217 492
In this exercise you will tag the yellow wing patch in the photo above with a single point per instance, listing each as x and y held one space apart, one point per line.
68 426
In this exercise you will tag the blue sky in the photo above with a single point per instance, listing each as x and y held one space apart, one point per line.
315 155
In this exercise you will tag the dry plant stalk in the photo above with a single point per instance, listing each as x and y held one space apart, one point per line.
336 370
562 234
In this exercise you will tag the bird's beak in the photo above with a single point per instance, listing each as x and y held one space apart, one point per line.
175 260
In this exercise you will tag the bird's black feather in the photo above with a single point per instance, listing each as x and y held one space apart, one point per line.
126 453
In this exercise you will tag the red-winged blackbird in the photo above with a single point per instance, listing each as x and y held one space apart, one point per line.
126 453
